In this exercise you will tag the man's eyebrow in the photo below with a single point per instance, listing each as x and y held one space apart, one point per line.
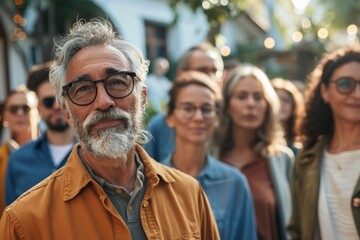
109 71
84 77
81 78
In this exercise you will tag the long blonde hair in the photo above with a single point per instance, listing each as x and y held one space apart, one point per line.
269 133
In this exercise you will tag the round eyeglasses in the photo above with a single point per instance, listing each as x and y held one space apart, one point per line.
83 92
346 85
187 111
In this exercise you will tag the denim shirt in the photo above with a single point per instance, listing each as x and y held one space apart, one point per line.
27 166
230 198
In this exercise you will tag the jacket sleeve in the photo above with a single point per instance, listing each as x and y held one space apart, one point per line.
209 229
293 227
10 193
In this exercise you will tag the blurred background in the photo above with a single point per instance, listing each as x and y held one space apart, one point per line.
284 37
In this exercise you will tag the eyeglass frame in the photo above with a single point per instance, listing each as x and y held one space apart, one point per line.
337 82
66 87
195 109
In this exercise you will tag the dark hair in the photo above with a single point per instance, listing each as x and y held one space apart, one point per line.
318 120
37 75
291 127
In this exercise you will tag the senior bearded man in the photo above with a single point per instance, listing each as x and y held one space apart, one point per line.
109 188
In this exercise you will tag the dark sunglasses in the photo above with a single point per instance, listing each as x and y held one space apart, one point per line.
345 85
49 102
14 109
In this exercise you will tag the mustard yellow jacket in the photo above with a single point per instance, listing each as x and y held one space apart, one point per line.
304 223
69 204
4 157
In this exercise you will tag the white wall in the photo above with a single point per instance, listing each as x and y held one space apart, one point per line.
130 17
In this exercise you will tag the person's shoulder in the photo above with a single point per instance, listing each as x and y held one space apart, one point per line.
41 191
158 119
27 149
283 151
226 171
174 176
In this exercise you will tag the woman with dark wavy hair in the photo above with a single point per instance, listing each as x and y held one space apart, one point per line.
326 179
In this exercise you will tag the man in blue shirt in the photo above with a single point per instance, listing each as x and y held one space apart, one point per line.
202 58
36 160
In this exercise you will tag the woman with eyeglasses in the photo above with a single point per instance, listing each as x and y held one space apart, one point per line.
326 179
192 112
20 122
249 137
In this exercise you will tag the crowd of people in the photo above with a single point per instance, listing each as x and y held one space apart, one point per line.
230 154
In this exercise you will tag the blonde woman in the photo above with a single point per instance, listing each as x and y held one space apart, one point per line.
20 122
249 137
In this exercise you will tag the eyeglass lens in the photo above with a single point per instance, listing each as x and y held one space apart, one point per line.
49 102
14 109
118 85
346 85
188 111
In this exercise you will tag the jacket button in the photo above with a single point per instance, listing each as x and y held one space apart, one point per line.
146 204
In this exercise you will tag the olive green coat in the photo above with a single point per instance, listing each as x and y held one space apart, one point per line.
305 186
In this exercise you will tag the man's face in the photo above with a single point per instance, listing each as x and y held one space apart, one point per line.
108 126
50 110
206 62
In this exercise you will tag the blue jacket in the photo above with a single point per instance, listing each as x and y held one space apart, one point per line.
230 198
27 166
163 141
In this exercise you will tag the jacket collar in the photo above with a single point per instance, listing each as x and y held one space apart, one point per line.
77 177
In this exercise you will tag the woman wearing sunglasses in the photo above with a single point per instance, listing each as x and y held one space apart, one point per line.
326 179
20 122
192 113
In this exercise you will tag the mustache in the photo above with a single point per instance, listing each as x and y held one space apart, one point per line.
101 115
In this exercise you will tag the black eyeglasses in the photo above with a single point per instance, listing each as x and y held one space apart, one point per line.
187 111
14 109
346 85
117 85
48 102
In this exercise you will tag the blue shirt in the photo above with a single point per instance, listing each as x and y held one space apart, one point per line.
230 198
163 141
28 166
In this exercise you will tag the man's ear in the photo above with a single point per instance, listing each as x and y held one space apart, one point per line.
67 114
324 92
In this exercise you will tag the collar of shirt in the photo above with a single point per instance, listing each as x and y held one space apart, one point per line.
139 182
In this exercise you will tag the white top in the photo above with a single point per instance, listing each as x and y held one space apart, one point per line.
339 174
58 152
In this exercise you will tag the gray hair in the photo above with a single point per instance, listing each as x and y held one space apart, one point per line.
94 32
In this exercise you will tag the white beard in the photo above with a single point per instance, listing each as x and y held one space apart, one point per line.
114 142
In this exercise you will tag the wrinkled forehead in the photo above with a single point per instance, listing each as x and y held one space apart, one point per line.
94 59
